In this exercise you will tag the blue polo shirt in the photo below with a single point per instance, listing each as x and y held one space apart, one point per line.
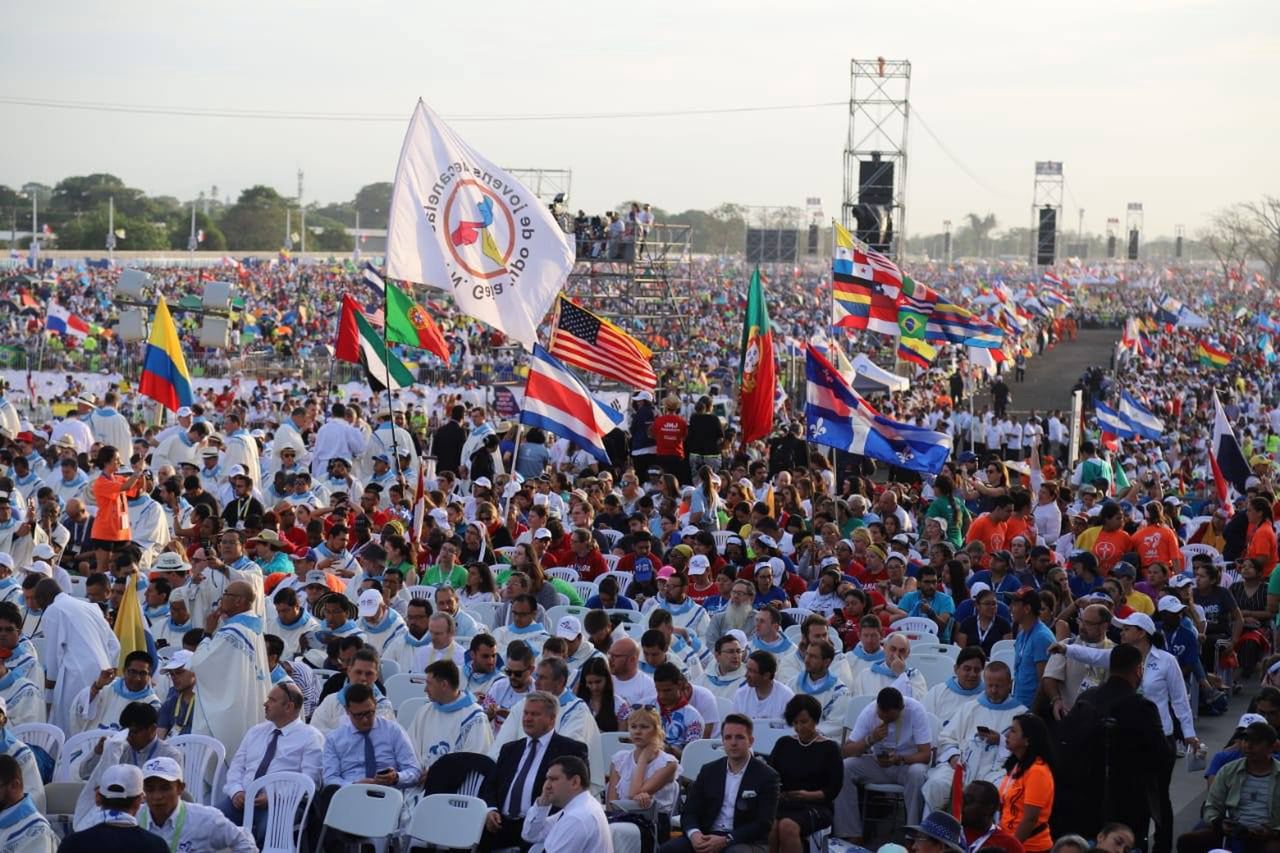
1030 648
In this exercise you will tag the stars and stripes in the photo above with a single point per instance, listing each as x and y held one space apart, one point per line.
582 339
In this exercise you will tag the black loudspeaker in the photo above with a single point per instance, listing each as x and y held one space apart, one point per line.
1133 244
874 226
813 239
1177 248
875 182
1046 236
1111 246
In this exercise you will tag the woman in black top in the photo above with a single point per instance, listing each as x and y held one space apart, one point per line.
706 434
986 626
811 772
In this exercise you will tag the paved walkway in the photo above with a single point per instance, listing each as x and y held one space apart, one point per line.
1051 375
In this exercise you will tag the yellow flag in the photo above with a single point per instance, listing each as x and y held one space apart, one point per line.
130 627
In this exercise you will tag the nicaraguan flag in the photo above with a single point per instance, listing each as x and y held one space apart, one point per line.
1109 420
1140 418
379 287
837 416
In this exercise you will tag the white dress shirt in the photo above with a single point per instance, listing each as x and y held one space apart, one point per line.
732 784
580 827
203 828
300 749
527 795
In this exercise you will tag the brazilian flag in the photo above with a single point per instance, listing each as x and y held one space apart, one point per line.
915 304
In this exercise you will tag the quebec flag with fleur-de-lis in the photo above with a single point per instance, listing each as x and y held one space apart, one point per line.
837 416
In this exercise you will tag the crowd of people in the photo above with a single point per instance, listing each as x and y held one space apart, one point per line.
698 646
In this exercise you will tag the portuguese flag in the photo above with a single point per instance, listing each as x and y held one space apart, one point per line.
757 373
359 343
409 323
1211 356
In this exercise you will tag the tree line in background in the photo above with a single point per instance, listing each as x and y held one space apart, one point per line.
76 208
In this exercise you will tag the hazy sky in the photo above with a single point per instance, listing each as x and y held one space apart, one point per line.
1169 102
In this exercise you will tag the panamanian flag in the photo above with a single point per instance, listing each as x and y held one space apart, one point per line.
60 320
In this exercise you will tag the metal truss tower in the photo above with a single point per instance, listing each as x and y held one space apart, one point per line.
1047 191
879 111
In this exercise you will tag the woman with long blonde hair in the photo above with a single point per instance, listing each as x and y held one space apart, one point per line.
646 772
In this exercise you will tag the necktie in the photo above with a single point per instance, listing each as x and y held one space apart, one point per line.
515 803
268 755
370 762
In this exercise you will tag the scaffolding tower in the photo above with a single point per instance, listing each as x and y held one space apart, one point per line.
546 184
1050 183
642 285
879 109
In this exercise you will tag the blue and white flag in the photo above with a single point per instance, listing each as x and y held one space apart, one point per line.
375 282
1109 420
1140 419
837 416
554 400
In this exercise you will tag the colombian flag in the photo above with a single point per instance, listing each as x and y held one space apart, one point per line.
164 371
1211 356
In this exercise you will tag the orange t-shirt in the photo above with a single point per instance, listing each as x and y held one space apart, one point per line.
1018 526
1157 544
1262 547
111 524
1109 548
1032 788
992 534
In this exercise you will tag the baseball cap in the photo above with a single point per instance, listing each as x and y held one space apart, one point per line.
977 587
666 572
690 530
1247 720
369 602
829 563
902 539
568 628
698 564
40 567
120 781
1137 620
180 659
315 577
644 396
184 411
482 482
1179 581
1026 595
542 533
440 516
42 551
1170 604
6 560
1124 570
766 541
163 767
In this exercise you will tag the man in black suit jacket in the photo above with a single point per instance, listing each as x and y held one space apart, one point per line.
447 443
751 782
522 769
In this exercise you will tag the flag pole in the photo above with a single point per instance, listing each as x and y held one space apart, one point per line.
386 363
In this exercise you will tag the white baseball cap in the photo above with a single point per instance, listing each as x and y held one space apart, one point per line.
180 659
121 780
698 565
1137 620
690 530
369 602
568 628
1170 604
39 567
43 551
6 560
542 533
482 482
163 767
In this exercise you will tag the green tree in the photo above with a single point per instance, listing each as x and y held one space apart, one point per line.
180 232
89 233
256 221
334 238
374 203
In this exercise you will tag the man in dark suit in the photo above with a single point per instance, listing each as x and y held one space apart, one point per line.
447 443
1113 754
732 804
522 769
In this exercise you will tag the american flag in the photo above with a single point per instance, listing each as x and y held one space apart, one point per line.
584 340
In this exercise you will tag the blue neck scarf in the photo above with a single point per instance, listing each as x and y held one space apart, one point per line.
19 811
1007 705
464 699
862 654
415 643
10 677
174 626
881 668
811 687
777 647
388 622
954 687
531 628
725 681
132 695
248 620
138 501
342 695
278 675
302 620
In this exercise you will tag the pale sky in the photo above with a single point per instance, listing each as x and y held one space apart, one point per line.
1172 103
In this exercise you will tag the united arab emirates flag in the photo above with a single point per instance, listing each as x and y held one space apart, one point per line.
409 323
758 374
359 343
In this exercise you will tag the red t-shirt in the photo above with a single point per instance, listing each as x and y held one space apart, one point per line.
588 568
1017 526
668 435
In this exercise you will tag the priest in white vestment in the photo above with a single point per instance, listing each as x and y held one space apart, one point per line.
451 721
23 698
173 626
79 646
364 669
289 621
181 447
892 672
241 448
98 706
819 681
231 669
975 737
727 673
110 427
945 700
405 646
148 524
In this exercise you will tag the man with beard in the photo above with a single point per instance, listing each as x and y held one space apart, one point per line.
738 615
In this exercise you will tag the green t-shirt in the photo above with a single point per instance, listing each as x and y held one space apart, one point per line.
433 577
1273 588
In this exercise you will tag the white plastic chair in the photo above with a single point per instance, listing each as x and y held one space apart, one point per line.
614 536
48 737
564 573
854 708
427 593
204 762
554 614
792 633
915 625
798 613
612 742
611 561
60 804
628 616
507 552
623 578
697 754
75 750
1189 551
930 646
767 736
371 812
484 612
585 589
408 709
935 668
1006 656
289 797
451 821
721 538
1002 645
387 668
403 687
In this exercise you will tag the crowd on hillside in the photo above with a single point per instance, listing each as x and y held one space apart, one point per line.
1010 655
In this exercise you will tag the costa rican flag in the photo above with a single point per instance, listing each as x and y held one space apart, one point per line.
554 400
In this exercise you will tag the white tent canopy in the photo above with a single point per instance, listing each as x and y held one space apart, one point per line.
871 378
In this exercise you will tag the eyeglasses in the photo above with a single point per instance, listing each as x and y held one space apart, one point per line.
362 715
515 673
521 612
138 673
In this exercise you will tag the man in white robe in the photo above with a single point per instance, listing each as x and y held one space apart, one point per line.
181 447
79 646
18 537
67 481
893 672
171 627
727 674
288 434
685 612
821 683
524 610
769 638
336 439
289 621
975 737
380 624
10 420
405 646
110 427
364 669
98 706
451 721
148 523
23 698
381 442
945 700
231 669
76 426
241 448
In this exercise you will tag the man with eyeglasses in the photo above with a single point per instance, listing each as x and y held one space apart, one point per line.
99 705
231 669
726 675
574 719
523 613
513 685
1065 678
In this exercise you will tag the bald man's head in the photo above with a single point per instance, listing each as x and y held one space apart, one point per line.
624 658
237 598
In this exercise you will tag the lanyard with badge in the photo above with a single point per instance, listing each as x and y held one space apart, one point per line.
178 826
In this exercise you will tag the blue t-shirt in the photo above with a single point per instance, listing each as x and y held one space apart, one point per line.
1006 589
966 608
1183 644
1030 648
941 603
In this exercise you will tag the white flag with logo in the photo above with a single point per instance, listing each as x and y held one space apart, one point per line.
461 224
